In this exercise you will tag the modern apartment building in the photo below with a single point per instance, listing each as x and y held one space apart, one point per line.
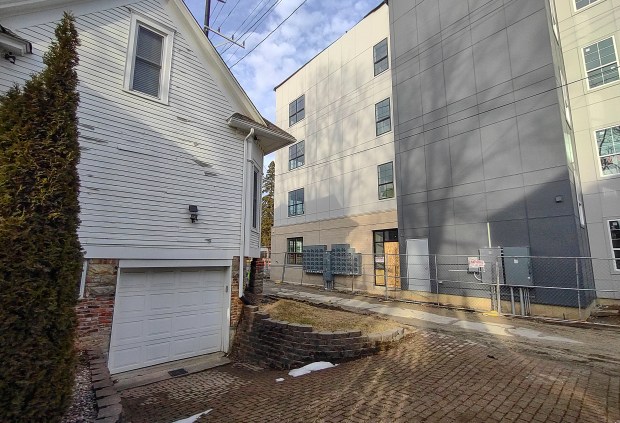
589 32
336 185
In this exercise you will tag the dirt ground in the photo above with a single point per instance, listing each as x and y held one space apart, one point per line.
324 319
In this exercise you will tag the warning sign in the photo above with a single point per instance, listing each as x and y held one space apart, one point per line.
475 264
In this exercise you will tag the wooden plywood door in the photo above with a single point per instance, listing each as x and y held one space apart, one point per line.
392 264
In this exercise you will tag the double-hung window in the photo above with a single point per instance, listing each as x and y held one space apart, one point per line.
380 57
386 181
601 63
614 231
149 58
296 110
580 4
382 117
296 202
296 155
608 147
294 251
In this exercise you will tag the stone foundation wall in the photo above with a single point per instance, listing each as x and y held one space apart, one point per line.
95 310
282 345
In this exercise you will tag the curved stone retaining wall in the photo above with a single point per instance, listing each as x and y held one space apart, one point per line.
284 345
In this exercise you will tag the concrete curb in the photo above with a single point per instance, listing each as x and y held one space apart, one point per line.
109 405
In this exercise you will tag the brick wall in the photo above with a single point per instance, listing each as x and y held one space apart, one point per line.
95 310
236 305
283 345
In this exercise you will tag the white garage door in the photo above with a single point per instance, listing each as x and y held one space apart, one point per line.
163 315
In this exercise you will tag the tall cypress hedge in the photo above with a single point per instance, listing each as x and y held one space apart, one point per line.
40 254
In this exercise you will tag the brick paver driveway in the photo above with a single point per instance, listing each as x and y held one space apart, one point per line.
429 377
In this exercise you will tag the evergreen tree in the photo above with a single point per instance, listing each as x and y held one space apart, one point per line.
40 257
269 185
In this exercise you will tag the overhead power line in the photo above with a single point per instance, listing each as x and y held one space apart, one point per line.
249 31
229 13
435 127
268 35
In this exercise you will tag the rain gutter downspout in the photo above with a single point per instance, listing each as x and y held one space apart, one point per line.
249 137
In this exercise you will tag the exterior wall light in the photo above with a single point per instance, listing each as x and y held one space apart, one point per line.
193 213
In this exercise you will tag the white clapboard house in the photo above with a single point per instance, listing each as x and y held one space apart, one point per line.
171 156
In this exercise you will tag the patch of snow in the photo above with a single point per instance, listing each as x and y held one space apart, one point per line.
312 367
193 418
280 379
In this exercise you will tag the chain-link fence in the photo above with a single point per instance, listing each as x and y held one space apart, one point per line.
573 288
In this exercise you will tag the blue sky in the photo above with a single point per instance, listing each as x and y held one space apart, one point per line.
312 28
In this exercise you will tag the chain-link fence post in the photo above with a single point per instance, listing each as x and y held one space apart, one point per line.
284 267
578 289
385 275
497 289
436 279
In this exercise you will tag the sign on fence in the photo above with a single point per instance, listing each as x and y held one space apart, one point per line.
475 264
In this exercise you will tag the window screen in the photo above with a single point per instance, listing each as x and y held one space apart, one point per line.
608 147
382 116
386 181
297 110
148 62
380 56
296 155
601 63
296 202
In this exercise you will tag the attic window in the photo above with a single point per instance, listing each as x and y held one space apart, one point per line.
149 59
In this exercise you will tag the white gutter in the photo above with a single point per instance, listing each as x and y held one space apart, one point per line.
248 138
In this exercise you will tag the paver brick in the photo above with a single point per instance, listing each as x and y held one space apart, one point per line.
428 377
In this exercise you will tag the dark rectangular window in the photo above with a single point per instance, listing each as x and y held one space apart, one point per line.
255 196
296 155
296 202
614 229
386 180
294 251
148 62
382 117
583 3
380 56
297 110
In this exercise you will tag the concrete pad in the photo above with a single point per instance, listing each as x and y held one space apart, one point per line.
158 373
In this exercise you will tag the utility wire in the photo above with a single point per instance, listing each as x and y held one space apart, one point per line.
268 35
242 26
229 13
218 13
459 120
250 30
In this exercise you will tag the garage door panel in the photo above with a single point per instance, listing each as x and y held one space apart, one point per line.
166 315
130 304
162 303
159 327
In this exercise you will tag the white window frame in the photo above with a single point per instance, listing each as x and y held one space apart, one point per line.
565 98
611 244
596 152
585 69
166 63
554 20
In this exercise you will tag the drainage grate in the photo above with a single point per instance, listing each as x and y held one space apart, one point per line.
177 372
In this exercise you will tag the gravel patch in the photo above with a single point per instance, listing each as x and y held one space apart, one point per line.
83 405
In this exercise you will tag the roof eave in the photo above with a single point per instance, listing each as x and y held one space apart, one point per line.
268 140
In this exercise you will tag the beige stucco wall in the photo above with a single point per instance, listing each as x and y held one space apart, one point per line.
354 230
592 110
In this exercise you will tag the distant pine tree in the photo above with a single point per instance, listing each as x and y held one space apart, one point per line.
40 255
269 184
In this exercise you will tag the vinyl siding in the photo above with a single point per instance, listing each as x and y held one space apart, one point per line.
138 167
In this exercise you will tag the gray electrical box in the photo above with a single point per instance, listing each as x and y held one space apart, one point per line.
517 266
490 256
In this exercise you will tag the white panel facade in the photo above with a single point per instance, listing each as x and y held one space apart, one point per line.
342 150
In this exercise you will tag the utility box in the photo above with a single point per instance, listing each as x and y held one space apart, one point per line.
517 266
490 256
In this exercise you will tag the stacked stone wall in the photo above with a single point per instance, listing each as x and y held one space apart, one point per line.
283 345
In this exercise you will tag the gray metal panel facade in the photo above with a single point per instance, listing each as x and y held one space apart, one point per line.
479 128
